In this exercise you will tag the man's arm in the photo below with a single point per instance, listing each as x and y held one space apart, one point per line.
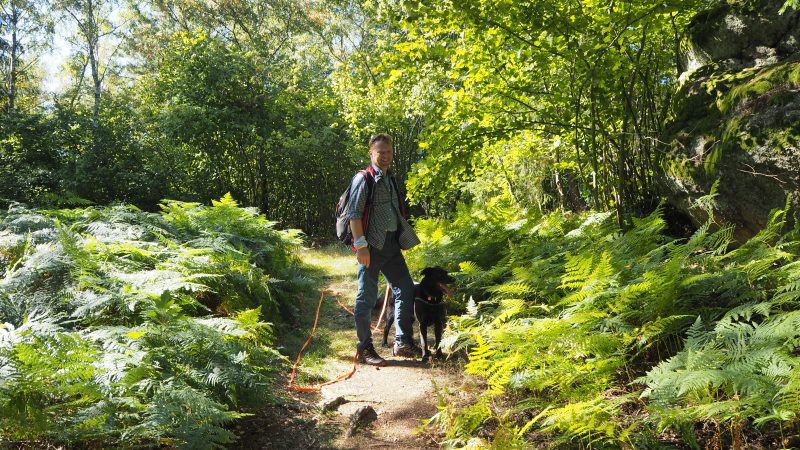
362 254
358 202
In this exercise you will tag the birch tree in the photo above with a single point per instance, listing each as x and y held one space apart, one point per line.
27 28
96 40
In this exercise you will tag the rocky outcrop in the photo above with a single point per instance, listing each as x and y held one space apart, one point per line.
743 34
736 117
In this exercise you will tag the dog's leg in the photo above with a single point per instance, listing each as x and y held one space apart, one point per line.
388 326
423 341
438 326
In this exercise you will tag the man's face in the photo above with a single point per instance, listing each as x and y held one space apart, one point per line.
381 154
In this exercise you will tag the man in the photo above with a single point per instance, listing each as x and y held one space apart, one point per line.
378 250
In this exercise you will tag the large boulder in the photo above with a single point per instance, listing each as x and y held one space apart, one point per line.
742 34
736 117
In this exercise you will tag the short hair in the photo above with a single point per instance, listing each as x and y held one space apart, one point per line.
382 137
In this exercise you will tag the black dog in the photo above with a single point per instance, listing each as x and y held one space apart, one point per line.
429 308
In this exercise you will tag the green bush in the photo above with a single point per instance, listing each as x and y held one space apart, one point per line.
593 335
128 328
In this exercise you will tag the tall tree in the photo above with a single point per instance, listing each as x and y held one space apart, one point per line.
228 123
377 96
28 27
266 27
581 85
96 40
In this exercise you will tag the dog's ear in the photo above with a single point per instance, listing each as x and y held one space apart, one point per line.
426 271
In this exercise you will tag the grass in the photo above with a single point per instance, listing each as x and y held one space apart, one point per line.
331 350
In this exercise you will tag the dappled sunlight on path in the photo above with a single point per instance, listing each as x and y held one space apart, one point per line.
403 393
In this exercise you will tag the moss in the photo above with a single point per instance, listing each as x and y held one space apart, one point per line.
691 102
760 82
732 134
794 74
677 168
782 98
683 169
748 142
743 92
708 124
785 139
719 105
712 160
730 139
784 132
694 109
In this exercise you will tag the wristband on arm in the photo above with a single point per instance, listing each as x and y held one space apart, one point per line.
360 242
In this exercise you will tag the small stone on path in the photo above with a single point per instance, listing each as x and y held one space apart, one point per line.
332 405
361 418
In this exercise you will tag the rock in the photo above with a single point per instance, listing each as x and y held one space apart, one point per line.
361 418
476 443
738 126
332 405
743 34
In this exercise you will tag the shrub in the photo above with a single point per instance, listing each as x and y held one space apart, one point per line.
128 328
578 326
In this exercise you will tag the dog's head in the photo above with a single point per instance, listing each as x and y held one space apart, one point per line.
438 277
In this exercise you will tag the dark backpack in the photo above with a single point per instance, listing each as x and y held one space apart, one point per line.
343 231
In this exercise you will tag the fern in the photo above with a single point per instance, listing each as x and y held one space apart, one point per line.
592 421
575 308
104 336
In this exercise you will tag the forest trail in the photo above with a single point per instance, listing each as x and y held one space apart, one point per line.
403 393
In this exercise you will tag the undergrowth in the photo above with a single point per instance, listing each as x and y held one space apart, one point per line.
597 337
121 328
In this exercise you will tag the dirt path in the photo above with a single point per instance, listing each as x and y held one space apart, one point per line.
403 393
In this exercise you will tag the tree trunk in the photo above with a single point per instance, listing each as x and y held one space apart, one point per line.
575 201
12 70
596 193
92 43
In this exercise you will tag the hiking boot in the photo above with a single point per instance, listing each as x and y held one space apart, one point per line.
406 350
370 357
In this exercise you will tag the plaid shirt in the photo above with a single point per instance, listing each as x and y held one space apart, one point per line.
384 214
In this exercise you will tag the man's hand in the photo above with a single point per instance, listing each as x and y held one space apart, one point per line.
362 255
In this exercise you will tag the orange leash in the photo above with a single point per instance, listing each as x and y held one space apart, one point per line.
311 335
383 310
341 304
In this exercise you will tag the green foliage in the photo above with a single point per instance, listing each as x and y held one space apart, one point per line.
721 113
30 161
580 324
192 115
790 4
379 90
111 162
227 120
105 326
556 103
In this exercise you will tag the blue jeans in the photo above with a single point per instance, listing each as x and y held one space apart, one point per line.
388 260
